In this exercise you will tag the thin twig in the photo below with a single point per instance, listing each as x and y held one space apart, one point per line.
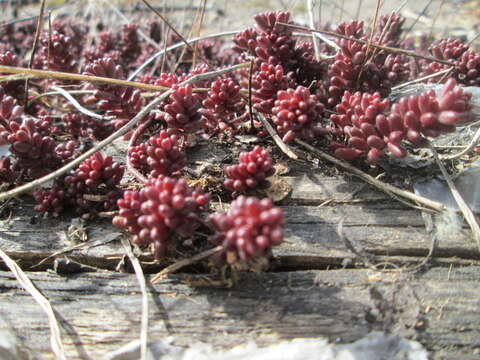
416 20
120 132
429 257
327 41
16 77
446 71
316 45
371 180
51 93
280 143
176 46
462 205
470 147
127 20
79 107
46 74
185 262
143 288
22 278
164 19
360 253
368 259
437 14
372 31
34 47
381 47
199 29
84 245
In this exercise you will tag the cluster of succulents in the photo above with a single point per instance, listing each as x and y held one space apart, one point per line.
181 110
339 101
297 112
97 177
360 67
361 120
118 102
160 155
166 205
250 228
251 172
368 129
464 64
223 107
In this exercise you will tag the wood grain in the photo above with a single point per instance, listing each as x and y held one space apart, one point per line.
101 312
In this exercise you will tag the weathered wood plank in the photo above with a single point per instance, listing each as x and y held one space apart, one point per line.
314 189
441 309
381 229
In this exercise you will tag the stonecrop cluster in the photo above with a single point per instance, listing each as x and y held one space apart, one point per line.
250 228
338 100
163 207
251 172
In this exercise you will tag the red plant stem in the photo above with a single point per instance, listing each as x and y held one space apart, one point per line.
135 136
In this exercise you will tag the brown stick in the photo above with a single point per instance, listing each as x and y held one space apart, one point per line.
462 205
34 47
46 74
371 180
280 143
182 263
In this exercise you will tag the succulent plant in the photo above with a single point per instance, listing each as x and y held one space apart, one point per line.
160 155
164 206
251 171
249 229
297 113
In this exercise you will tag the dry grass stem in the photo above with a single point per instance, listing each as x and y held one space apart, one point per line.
470 147
278 140
420 14
34 47
385 48
462 205
389 189
372 31
77 106
250 104
185 262
143 288
311 20
443 72
127 20
164 19
22 278
45 74
52 93
176 46
84 245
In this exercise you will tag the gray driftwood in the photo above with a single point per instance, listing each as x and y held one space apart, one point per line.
101 312
301 297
